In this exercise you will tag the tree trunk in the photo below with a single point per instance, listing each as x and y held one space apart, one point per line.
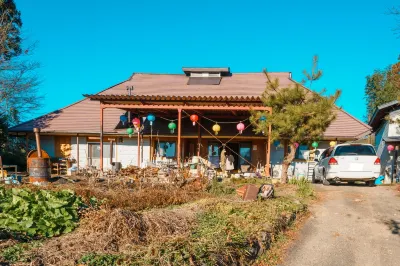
287 160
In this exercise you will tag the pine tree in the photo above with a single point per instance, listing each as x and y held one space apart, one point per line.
298 114
10 26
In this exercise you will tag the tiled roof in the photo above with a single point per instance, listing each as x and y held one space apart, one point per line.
84 116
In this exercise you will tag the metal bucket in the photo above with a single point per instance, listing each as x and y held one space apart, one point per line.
39 170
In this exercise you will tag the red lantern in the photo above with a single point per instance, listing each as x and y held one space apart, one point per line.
194 119
390 148
240 127
136 122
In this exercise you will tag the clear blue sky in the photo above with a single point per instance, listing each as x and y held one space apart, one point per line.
85 46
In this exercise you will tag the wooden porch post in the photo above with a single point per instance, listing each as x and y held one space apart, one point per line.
198 138
101 138
138 147
268 153
179 136
77 150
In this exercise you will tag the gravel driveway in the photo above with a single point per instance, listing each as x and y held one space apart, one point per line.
352 225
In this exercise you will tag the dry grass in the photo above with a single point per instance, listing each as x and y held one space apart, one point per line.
116 231
213 230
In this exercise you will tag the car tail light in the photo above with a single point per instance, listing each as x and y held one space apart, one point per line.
332 161
377 161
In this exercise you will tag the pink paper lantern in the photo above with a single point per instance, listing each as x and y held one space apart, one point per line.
296 145
136 122
390 148
240 127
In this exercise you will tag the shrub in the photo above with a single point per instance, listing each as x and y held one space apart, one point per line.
38 213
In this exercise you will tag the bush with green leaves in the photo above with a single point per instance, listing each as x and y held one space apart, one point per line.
41 213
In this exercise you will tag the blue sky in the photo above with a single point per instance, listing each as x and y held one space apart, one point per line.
87 46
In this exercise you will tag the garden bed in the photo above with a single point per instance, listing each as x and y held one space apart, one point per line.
169 226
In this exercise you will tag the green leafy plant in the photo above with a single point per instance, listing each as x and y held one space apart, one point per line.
100 259
40 213
19 252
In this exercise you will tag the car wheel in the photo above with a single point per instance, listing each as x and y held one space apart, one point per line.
324 181
371 183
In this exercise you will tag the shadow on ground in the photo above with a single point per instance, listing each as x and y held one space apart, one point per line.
393 226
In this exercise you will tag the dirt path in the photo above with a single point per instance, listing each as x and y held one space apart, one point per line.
352 225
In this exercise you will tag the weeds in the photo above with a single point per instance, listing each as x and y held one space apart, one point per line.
304 188
19 252
219 189
93 259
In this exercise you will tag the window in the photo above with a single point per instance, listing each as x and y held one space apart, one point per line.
166 149
214 153
300 152
359 150
245 153
94 150
323 155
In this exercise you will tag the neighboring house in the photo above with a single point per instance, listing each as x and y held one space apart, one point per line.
387 132
74 131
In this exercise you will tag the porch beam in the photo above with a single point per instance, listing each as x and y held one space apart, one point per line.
101 137
268 154
138 147
186 107
77 151
179 136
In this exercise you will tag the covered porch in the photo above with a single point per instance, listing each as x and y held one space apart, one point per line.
191 136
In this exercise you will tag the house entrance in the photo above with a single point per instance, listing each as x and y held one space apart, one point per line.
235 148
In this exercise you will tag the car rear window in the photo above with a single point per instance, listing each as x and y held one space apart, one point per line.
360 150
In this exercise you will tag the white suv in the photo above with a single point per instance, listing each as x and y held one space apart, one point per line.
349 163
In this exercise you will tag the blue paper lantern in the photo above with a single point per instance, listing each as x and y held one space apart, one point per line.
263 118
276 143
123 119
151 118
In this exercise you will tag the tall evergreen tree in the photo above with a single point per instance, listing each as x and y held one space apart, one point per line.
298 114
10 26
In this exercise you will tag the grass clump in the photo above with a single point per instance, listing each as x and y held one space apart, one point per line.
94 259
19 252
219 189
304 187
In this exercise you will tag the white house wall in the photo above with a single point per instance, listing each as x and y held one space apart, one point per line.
127 152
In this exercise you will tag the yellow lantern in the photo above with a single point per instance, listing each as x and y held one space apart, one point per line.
216 128
332 143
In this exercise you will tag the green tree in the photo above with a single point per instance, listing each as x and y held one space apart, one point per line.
18 82
298 114
382 87
10 26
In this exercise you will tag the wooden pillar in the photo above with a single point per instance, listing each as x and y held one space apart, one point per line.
179 136
268 152
199 138
101 138
77 151
138 147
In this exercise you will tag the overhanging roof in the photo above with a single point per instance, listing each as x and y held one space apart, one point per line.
114 97
381 112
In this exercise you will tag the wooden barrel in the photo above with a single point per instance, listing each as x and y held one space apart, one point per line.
39 170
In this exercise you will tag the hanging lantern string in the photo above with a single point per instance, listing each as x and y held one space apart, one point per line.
173 120
209 119
224 144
